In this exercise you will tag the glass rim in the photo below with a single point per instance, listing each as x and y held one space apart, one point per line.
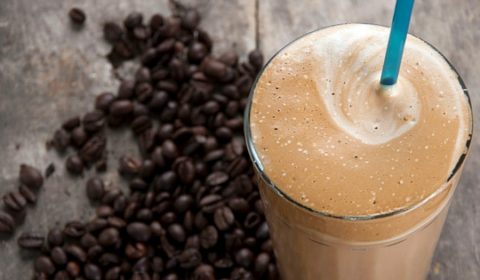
259 166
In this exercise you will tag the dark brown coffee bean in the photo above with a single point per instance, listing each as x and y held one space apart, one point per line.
214 68
190 258
190 19
217 178
79 137
244 257
158 101
93 149
76 252
43 264
71 123
88 240
61 140
224 133
208 237
113 273
55 237
183 203
77 16
7 224
116 222
112 32
125 91
74 229
92 272
252 220
139 231
141 123
108 237
93 121
28 194
95 189
108 259
135 251
104 100
261 264
94 252
30 176
121 108
133 20
196 52
129 166
204 272
31 240
177 233
74 164
104 211
223 218
229 57
168 218
141 33
14 201
143 92
211 202
255 57
49 170
73 269
111 195
58 255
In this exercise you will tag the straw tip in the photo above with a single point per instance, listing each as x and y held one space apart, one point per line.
388 81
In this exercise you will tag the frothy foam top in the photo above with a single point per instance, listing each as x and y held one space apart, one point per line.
333 139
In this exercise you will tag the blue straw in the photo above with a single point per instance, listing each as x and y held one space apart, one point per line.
396 42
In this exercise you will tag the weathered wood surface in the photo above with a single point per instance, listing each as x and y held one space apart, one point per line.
49 71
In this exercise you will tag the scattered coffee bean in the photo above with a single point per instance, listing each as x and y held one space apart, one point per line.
95 189
14 201
58 255
74 164
77 16
30 176
44 264
28 194
74 229
31 240
49 170
7 224
55 237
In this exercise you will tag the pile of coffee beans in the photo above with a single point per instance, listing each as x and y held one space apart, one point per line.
193 210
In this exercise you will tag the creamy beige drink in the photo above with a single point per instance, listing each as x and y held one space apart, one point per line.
357 177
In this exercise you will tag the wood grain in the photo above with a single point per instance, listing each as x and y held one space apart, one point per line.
50 71
452 27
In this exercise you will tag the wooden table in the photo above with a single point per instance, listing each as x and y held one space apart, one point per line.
49 71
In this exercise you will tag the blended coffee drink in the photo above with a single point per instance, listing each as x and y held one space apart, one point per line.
356 178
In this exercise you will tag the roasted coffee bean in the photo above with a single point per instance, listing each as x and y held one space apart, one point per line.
55 237
49 170
77 16
108 237
74 229
95 189
204 272
262 231
113 273
92 272
223 218
31 240
177 233
71 123
93 121
79 137
74 164
88 240
58 255
135 251
133 20
112 32
43 264
28 194
252 220
244 257
14 201
93 149
61 140
217 178
211 202
196 52
214 68
190 258
183 203
7 224
76 252
104 211
208 237
121 108
103 101
139 231
129 166
97 224
190 19
255 57
73 269
30 176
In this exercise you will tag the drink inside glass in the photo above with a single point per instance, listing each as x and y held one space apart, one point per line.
356 177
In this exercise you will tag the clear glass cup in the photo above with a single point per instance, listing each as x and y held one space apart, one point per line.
310 244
